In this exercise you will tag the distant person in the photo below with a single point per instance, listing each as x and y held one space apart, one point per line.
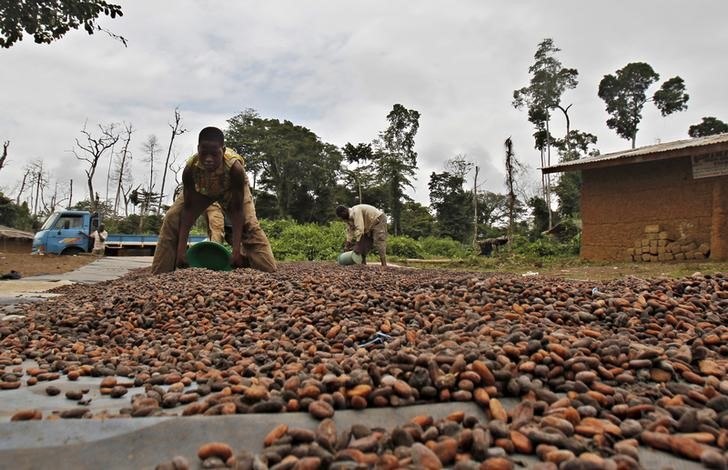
213 174
215 223
99 236
366 226
215 220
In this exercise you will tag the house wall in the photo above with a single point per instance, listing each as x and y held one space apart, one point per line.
618 202
15 245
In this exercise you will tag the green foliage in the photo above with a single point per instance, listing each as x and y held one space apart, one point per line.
549 80
130 224
708 126
48 20
540 216
671 96
8 211
291 241
434 247
417 222
568 190
290 162
304 242
544 247
395 159
17 216
404 247
452 205
625 96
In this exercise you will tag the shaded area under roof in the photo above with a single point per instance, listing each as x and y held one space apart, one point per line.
675 149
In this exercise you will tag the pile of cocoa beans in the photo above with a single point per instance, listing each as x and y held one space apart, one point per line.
598 367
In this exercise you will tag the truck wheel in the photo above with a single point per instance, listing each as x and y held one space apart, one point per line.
72 250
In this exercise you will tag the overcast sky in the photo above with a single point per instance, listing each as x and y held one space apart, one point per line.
337 67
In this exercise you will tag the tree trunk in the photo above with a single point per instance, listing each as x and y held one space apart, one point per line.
90 184
175 132
22 188
37 192
548 175
6 144
108 174
121 171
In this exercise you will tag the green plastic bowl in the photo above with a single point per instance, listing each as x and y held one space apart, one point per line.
348 258
209 255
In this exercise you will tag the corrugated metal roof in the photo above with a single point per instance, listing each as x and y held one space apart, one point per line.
9 232
626 155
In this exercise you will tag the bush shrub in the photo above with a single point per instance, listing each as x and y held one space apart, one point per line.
304 242
404 247
444 248
547 247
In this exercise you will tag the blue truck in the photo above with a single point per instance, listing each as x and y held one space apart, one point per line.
69 232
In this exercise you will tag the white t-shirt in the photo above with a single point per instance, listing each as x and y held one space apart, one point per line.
99 244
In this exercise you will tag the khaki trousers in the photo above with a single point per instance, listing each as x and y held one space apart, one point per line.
255 246
215 223
377 238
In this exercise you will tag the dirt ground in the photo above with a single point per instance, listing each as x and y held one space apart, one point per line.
33 265
573 268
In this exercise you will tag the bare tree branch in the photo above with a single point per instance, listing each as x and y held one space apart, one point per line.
93 150
125 156
176 130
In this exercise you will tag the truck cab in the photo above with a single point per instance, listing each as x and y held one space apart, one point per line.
66 232
69 232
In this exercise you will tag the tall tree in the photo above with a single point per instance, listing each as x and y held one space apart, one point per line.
708 126
575 145
451 204
22 185
48 20
4 156
108 173
417 222
513 167
151 148
360 155
177 129
396 158
245 134
123 168
93 149
493 211
146 199
291 162
540 211
549 81
625 94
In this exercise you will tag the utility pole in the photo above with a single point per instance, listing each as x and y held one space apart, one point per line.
475 207
70 196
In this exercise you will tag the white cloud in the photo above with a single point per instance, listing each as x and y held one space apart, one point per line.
338 67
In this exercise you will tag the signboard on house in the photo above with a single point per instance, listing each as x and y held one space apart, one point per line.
710 164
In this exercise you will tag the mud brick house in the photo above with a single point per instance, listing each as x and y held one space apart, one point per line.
661 202
15 241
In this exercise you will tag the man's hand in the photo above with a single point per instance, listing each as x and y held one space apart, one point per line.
357 248
348 246
182 260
